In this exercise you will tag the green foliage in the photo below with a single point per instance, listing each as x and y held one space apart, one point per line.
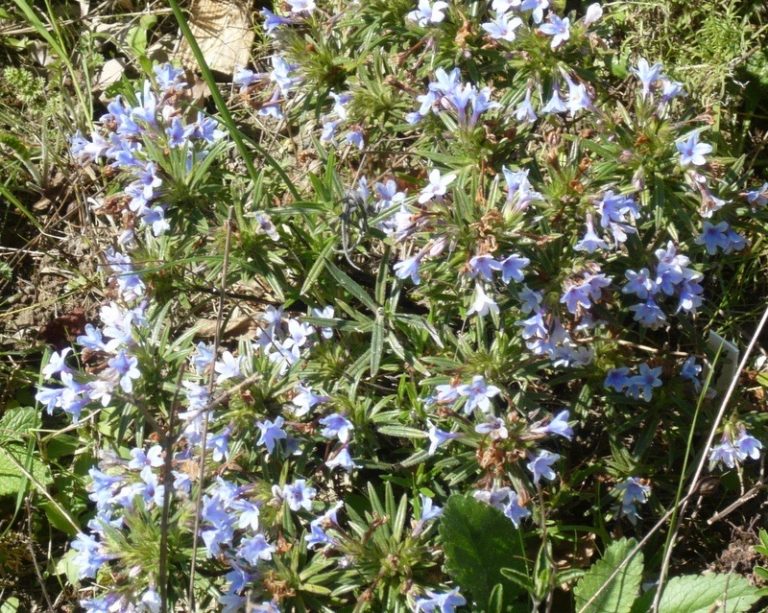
685 594
479 541
619 594
17 458
703 594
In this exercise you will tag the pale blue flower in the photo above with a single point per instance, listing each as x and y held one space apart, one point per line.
633 491
428 12
643 384
57 363
748 445
478 395
437 186
647 74
502 27
541 466
342 459
255 549
435 602
271 432
336 426
494 427
692 151
438 437
590 242
512 268
299 495
228 367
558 29
483 265
429 510
482 304
514 510
409 268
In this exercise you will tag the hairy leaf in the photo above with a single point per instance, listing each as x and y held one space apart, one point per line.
619 595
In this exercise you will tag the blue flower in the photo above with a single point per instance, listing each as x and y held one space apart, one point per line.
649 314
478 395
493 427
558 29
220 444
271 432
690 371
255 549
305 400
336 425
558 425
437 186
126 368
342 459
91 555
647 74
50 397
483 265
555 103
301 6
541 465
512 268
714 237
317 537
633 491
272 21
299 495
228 367
536 7
643 384
438 437
57 363
409 268
429 510
640 284
482 303
502 27
444 603
726 453
692 151
758 197
167 77
748 446
428 12
514 510
524 111
590 242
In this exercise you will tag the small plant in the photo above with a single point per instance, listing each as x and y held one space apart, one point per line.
432 304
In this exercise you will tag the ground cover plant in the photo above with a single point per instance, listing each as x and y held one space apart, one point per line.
432 306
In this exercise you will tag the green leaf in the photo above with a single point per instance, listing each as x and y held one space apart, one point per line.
703 594
479 541
137 35
620 594
12 478
377 342
17 423
318 266
351 286
66 566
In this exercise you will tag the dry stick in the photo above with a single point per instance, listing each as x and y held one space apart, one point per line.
168 441
34 557
204 434
736 504
704 454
